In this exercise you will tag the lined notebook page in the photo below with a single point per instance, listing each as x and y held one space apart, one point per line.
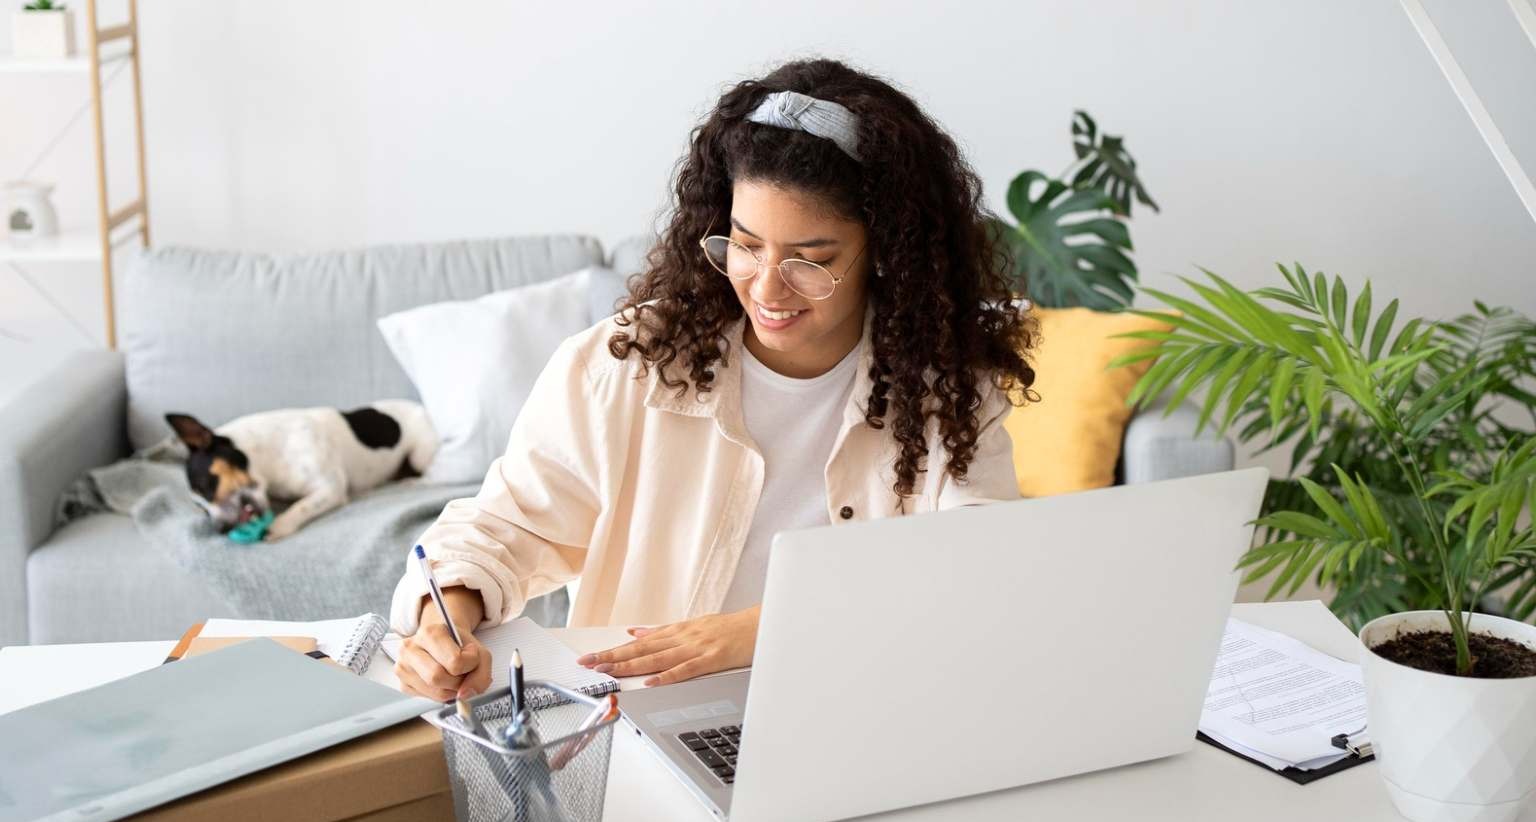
544 657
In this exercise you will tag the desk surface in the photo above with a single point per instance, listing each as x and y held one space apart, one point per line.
1203 784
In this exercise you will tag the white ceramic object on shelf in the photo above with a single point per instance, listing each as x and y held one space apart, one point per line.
28 212
1450 747
41 35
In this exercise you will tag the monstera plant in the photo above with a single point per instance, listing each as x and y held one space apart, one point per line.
1070 246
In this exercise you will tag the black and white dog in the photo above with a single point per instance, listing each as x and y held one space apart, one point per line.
316 457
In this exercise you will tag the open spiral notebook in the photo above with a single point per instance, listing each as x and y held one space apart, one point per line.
544 658
350 642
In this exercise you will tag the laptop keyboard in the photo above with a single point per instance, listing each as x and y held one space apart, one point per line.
716 748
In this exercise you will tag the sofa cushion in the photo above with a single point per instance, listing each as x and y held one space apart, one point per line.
1070 439
220 334
628 257
98 580
474 362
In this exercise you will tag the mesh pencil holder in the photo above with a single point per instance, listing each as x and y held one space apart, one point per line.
563 779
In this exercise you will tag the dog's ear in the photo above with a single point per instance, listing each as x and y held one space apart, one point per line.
196 435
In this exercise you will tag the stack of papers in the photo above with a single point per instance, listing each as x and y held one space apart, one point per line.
1278 701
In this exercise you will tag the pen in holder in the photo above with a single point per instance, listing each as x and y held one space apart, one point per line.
561 777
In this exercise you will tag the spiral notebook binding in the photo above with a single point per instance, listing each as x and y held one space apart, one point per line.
366 637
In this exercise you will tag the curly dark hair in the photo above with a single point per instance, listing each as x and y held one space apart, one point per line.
944 319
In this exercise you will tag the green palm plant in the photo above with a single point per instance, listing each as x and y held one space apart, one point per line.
1407 487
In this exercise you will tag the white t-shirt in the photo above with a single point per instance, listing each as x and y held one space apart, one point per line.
794 423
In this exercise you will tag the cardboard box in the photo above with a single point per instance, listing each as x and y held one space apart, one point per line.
394 775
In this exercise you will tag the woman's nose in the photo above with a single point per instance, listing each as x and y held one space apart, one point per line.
768 286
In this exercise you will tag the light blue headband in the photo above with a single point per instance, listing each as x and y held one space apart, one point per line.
822 118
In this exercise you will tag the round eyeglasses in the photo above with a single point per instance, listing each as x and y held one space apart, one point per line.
810 280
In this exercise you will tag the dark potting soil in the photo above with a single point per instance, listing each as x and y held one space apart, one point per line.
1435 651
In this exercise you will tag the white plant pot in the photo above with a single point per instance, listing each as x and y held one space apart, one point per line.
1449 747
43 34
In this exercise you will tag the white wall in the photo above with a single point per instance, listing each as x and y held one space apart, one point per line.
1315 130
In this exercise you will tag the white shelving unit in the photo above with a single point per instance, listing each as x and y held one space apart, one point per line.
79 245
88 244
68 65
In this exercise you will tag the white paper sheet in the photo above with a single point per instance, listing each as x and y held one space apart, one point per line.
1279 700
544 657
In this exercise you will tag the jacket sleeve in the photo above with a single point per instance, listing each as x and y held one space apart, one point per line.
527 531
991 476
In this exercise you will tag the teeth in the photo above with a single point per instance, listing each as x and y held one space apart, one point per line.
779 315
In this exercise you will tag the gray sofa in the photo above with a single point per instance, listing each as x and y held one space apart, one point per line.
222 334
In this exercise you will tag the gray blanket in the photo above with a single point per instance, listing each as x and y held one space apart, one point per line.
341 564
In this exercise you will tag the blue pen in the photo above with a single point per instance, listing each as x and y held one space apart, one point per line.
437 594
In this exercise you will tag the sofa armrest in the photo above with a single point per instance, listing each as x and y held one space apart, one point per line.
1158 447
71 420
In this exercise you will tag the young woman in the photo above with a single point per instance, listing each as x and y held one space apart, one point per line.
823 334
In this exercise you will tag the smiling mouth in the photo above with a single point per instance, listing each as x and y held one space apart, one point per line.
779 316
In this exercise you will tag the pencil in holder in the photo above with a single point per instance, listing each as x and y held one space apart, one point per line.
561 779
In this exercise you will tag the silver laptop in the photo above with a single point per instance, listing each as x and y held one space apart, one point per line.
911 660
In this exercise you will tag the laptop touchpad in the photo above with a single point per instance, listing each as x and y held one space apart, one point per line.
693 713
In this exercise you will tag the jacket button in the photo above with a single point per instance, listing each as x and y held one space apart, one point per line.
846 513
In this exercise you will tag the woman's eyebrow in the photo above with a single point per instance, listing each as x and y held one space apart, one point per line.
816 243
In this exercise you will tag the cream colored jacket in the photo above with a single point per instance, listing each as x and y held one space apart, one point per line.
646 496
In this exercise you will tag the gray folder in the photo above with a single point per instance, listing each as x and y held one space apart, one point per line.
120 748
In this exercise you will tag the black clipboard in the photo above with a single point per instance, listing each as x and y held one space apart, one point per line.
1300 777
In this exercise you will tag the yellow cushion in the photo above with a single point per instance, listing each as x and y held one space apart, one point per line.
1070 439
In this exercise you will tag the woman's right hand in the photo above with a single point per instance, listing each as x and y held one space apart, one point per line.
431 665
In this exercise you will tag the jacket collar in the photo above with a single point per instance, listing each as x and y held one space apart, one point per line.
723 401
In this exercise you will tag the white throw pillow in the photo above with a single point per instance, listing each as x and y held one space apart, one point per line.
474 362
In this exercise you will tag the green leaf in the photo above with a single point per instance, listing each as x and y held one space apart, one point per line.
1218 385
1331 507
1212 323
1340 303
1267 558
1312 394
1191 379
1161 374
1304 525
1104 164
1064 256
1432 417
1382 329
1279 386
1245 387
1134 357
1406 336
1362 314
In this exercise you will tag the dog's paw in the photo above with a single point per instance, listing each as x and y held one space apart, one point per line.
278 530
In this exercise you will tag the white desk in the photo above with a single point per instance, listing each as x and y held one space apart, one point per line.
1203 784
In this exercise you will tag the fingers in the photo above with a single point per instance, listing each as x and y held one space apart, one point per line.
478 680
439 644
411 683
627 651
695 666
432 665
648 664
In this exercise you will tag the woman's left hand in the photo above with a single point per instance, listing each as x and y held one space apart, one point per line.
682 650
